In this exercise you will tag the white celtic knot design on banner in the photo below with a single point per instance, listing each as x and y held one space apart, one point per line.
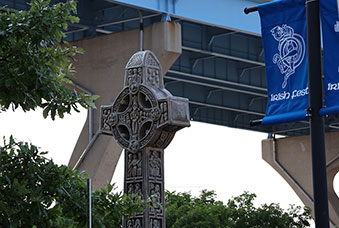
291 50
336 26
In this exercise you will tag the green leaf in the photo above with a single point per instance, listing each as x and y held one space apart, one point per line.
66 80
61 113
53 112
91 104
95 97
11 140
46 110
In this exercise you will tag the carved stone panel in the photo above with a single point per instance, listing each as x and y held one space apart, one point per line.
134 165
135 223
156 223
155 165
106 124
150 185
156 193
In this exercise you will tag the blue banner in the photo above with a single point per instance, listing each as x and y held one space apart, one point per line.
329 11
283 25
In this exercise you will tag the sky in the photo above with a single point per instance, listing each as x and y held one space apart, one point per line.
203 156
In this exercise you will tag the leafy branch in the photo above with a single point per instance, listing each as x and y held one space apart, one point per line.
35 61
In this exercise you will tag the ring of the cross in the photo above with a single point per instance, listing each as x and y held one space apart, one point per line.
136 115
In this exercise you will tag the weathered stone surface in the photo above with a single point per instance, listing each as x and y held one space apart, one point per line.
143 119
144 113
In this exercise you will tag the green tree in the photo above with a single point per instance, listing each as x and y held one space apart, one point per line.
34 61
185 211
37 192
35 65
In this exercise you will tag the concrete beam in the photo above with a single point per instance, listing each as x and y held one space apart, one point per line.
291 158
226 14
101 70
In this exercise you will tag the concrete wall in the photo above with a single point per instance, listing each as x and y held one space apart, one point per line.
101 70
291 158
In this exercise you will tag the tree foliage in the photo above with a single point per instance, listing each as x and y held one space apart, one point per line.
35 62
185 211
37 192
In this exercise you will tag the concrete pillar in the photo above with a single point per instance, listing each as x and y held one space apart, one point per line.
101 70
291 158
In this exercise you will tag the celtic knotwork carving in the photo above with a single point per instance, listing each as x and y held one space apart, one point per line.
135 117
107 119
163 113
151 61
136 60
164 139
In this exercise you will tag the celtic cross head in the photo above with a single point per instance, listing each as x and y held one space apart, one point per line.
144 113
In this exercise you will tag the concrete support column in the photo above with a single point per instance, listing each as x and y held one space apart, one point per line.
101 70
291 158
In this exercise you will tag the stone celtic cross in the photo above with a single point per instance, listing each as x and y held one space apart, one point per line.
143 119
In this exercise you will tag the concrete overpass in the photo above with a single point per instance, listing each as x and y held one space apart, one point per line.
213 55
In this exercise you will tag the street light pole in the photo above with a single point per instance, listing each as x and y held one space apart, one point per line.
320 193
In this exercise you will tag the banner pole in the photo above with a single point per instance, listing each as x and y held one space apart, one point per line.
320 193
